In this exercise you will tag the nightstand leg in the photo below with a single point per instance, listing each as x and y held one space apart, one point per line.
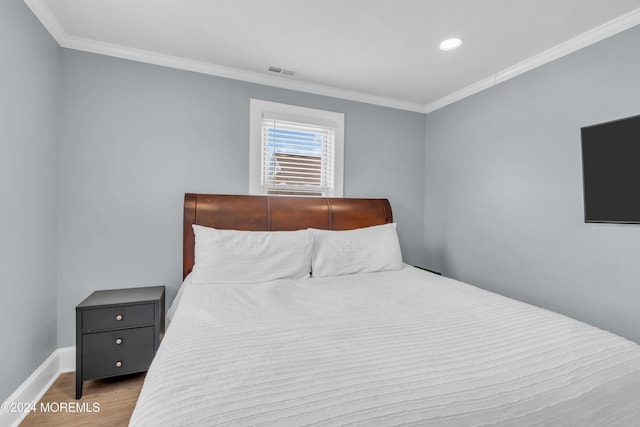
78 354
78 385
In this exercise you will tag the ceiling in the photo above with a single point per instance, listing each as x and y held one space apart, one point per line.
383 52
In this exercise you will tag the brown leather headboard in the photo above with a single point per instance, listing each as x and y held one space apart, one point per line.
277 213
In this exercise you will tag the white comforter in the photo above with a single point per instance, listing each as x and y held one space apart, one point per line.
395 348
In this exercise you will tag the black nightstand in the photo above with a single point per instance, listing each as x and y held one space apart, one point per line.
117 332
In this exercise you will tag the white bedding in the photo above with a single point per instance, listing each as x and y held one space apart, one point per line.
400 347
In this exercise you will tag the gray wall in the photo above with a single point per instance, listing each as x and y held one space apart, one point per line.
503 199
29 82
95 162
136 137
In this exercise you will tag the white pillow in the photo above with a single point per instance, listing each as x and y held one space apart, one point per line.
363 250
232 256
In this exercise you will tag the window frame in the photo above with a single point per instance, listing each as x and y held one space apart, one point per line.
298 114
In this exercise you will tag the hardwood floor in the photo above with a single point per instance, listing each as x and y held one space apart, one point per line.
114 398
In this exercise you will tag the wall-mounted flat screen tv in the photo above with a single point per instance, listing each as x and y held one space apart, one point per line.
611 171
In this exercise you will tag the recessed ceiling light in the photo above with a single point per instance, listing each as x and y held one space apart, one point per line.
450 44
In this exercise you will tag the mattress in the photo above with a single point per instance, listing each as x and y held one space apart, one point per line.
402 347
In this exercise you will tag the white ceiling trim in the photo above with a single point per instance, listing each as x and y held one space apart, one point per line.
87 45
590 37
51 23
48 19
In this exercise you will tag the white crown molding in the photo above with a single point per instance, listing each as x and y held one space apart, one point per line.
460 94
583 40
51 23
48 19
79 43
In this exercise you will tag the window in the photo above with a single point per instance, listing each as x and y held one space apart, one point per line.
295 150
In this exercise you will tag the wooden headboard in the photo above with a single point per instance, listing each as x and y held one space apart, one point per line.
276 213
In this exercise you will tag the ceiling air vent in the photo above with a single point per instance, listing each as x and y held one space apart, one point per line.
283 71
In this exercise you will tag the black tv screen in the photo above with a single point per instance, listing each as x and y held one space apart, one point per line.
611 171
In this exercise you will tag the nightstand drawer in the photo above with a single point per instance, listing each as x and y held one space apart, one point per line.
118 363
118 317
120 340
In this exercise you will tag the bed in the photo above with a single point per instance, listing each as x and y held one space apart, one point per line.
399 346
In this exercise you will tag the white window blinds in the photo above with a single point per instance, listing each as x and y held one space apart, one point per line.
298 158
295 150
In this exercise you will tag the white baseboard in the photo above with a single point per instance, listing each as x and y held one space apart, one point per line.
67 358
34 387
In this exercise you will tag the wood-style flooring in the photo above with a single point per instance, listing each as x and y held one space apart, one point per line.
115 397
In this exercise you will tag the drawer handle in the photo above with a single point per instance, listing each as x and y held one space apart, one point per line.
118 364
118 341
119 317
